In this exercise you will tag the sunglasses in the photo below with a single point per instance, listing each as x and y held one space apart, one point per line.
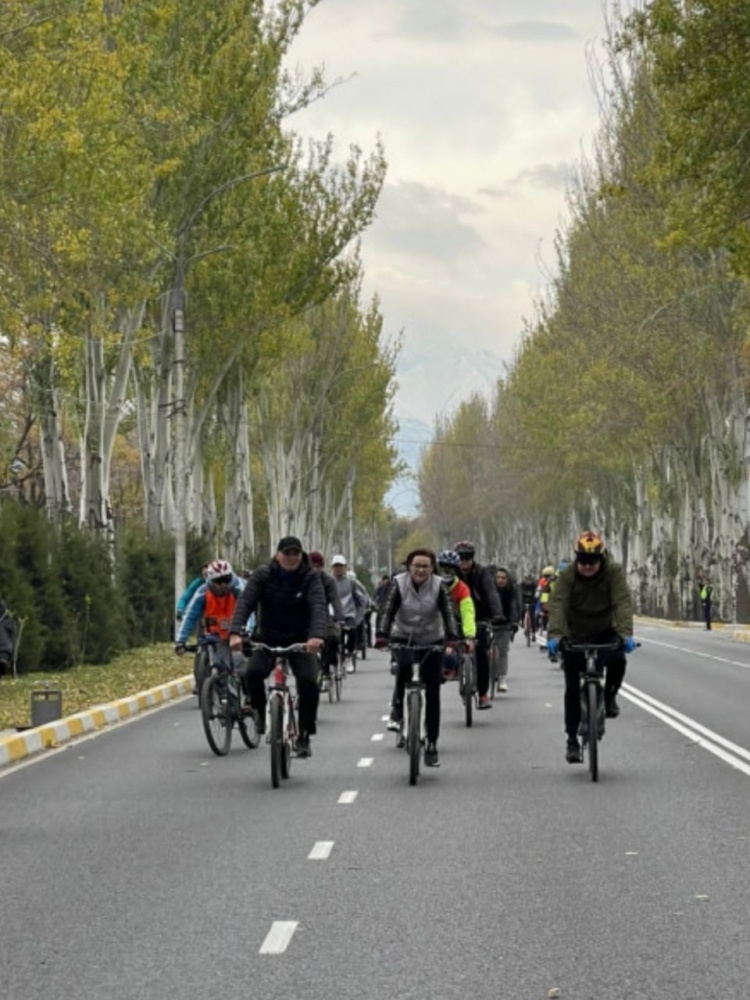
588 558
222 579
291 552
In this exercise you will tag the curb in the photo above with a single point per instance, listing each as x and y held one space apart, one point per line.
55 734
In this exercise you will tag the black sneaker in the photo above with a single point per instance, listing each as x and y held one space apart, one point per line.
611 708
573 752
431 758
302 746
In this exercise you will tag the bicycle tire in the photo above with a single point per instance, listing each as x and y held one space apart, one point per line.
467 688
527 629
200 672
216 718
289 739
339 684
248 727
493 669
412 739
354 660
330 682
592 710
276 739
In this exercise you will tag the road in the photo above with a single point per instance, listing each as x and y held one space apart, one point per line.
135 865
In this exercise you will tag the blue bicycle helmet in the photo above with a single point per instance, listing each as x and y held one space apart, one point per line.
449 558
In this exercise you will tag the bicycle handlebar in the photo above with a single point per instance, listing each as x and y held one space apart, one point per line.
421 649
296 647
203 641
584 647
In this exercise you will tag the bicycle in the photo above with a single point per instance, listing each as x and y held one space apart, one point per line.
337 672
467 684
493 653
592 697
529 628
222 702
281 710
346 630
413 723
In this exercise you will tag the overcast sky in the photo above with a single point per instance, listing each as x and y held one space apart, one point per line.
484 107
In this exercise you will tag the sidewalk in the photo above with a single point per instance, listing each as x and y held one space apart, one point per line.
728 630
17 746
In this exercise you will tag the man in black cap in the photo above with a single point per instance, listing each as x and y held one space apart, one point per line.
288 598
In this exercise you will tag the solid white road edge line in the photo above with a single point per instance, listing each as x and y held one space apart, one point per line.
691 729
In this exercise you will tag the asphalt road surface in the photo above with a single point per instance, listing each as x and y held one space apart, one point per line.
135 865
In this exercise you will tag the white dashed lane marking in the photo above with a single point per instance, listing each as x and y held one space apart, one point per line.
377 737
365 762
346 798
278 938
321 850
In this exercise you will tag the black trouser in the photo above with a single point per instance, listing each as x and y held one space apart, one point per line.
432 669
574 664
305 669
330 651
707 614
482 657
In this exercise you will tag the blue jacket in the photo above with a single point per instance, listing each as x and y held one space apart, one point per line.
197 606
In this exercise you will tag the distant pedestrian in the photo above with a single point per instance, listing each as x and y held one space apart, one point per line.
706 594
7 639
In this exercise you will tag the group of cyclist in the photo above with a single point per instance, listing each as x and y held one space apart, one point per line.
436 603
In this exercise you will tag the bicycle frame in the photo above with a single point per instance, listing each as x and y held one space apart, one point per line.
414 725
281 704
592 697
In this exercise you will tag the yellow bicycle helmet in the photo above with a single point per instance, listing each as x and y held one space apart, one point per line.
589 543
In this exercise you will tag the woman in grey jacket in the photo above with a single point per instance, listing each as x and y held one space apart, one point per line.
418 611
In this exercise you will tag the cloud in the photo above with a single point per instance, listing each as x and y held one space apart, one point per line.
545 175
414 219
537 31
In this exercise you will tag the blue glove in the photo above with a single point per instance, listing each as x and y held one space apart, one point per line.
629 644
553 646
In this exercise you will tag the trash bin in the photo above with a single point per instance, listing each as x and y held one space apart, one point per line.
46 706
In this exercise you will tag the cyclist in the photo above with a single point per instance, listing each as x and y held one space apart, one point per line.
528 599
448 562
213 602
354 600
481 582
418 611
189 592
508 594
330 650
289 599
591 602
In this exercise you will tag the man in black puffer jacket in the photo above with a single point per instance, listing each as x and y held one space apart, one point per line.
288 598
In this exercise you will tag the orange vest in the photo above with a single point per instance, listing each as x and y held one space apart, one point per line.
218 612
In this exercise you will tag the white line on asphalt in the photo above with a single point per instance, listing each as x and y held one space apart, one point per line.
365 761
278 938
384 718
321 850
695 652
722 748
346 798
377 737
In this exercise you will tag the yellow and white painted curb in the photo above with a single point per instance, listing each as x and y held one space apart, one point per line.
55 734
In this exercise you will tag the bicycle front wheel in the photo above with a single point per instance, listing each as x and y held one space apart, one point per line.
338 682
248 727
592 709
494 669
276 712
413 741
467 688
289 738
216 717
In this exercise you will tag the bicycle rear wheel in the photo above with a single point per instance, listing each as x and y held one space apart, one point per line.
467 687
592 710
412 738
289 738
216 716
338 681
276 739
248 727
494 668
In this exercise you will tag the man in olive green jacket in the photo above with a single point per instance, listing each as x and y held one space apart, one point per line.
591 602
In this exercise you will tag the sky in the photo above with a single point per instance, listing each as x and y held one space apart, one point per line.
485 108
